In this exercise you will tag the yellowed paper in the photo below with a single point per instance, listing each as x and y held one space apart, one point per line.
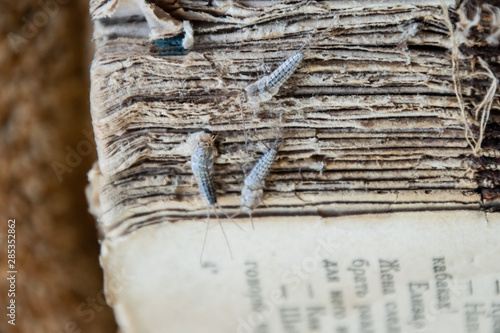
402 272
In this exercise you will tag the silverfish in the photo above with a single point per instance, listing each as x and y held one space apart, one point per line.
202 162
265 88
253 188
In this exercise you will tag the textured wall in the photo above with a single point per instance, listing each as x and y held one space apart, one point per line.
45 153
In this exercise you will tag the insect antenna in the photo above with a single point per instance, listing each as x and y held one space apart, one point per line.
278 140
251 220
229 217
206 234
223 232
241 211
222 228
309 41
243 121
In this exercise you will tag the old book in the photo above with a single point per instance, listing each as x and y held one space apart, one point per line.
393 109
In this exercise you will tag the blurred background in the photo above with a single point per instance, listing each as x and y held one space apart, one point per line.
46 149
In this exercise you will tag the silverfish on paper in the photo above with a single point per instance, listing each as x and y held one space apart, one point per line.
253 188
202 162
265 88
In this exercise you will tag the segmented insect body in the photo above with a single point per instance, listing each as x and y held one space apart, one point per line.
253 189
283 72
265 88
202 162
